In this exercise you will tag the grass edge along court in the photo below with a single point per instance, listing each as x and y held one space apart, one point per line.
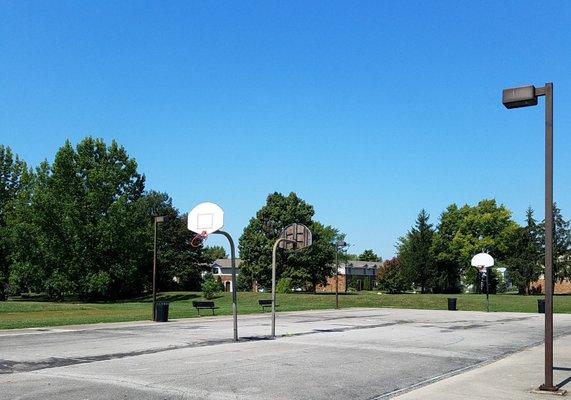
27 313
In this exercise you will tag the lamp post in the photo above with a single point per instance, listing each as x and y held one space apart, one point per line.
340 244
157 220
526 96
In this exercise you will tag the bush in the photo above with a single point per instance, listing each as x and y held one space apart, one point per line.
285 285
353 284
211 286
391 277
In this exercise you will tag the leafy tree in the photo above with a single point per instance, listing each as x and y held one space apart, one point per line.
179 264
12 170
458 238
416 253
369 255
561 245
89 235
391 277
212 253
307 267
524 264
311 266
211 286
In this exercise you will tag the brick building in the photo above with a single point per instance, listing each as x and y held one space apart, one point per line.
560 287
222 268
360 275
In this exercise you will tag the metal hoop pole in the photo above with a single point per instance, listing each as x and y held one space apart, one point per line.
234 286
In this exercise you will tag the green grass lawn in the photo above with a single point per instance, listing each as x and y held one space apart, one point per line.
29 313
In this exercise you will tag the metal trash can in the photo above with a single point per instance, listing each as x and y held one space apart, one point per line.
451 303
541 306
162 311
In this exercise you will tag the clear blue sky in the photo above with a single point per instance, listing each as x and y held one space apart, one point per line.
370 111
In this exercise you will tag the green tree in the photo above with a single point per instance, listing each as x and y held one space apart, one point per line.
12 171
391 277
457 239
369 255
306 267
415 253
524 264
89 235
179 265
212 253
310 267
561 245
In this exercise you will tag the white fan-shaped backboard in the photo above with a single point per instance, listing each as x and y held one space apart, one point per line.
206 218
482 260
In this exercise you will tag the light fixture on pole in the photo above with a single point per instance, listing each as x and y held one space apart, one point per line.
156 220
526 96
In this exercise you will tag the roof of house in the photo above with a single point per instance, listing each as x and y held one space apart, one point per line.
226 263
355 267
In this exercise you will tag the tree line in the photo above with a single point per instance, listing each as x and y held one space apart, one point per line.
82 226
437 259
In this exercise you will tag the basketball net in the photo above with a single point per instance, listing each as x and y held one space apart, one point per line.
198 239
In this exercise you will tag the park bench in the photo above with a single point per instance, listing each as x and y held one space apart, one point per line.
265 304
204 305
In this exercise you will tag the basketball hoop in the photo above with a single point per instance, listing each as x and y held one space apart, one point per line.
481 268
198 239
297 237
482 261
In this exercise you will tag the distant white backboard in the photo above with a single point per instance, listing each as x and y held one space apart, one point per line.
482 260
206 218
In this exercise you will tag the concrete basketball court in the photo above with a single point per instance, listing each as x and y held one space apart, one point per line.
351 353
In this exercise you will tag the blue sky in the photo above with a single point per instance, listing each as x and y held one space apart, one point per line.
370 111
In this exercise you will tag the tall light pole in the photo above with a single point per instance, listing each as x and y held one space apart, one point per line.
157 220
523 97
340 244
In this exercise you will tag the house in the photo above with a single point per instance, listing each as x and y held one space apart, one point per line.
358 275
560 287
222 269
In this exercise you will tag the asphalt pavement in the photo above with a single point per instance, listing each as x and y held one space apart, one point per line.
352 353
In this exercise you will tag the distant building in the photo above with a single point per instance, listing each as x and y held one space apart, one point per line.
563 287
360 275
560 287
222 268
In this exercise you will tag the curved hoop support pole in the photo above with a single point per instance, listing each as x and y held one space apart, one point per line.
234 286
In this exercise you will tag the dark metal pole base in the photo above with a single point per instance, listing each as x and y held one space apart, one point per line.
553 390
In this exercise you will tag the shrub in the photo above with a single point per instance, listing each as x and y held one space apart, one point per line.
391 277
285 285
210 286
